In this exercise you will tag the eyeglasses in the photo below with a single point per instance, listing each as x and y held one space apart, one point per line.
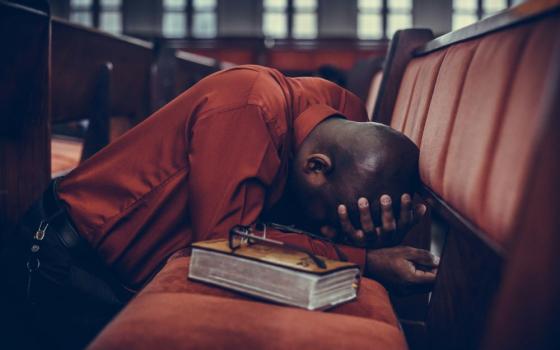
291 229
245 236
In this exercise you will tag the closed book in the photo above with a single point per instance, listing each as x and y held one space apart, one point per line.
275 273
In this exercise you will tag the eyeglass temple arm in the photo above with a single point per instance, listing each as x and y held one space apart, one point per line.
286 228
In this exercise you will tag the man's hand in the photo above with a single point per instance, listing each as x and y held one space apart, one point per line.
389 233
402 269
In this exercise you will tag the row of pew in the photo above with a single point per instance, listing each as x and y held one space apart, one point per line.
482 105
57 75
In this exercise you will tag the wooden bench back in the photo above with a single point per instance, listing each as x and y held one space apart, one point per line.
79 53
178 70
24 110
97 75
475 102
359 77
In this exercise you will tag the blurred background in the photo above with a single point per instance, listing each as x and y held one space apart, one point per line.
296 36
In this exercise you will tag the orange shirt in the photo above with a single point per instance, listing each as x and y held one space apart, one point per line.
214 157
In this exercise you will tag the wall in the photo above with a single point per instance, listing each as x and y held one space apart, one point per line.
240 18
433 14
337 18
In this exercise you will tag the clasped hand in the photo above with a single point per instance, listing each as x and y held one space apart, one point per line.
389 233
401 269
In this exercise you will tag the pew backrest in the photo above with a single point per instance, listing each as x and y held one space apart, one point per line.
177 70
79 53
361 74
400 52
24 110
476 102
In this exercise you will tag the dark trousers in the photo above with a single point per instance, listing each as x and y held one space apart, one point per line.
67 300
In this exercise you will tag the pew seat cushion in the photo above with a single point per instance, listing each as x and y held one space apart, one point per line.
174 312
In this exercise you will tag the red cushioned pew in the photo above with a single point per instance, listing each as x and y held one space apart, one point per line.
481 103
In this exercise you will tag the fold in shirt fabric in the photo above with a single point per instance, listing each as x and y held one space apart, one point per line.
214 157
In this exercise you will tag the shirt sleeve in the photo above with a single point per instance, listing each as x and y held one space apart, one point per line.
354 254
233 160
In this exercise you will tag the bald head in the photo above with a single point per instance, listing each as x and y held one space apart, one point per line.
341 161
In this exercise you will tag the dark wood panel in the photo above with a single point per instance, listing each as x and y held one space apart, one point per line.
360 75
190 68
524 12
401 50
454 219
415 333
527 310
78 55
24 110
468 278
175 71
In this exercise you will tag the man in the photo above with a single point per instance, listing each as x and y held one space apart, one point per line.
217 156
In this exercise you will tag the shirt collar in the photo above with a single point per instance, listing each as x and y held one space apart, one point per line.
307 121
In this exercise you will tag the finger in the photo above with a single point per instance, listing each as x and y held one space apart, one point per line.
358 237
424 277
328 232
345 220
387 218
405 218
365 215
422 257
419 212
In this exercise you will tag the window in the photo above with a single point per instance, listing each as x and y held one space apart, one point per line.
204 18
305 19
379 19
81 12
490 7
399 16
196 18
295 19
275 18
466 12
370 19
103 14
174 21
110 19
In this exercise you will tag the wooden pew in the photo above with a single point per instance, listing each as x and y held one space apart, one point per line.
97 76
178 70
360 75
400 52
191 68
24 110
482 105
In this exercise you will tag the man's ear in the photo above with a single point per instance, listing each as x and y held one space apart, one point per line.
317 165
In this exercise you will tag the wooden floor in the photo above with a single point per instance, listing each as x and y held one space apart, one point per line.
65 155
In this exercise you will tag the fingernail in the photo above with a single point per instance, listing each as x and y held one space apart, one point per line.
405 197
341 209
436 260
363 202
385 199
360 234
